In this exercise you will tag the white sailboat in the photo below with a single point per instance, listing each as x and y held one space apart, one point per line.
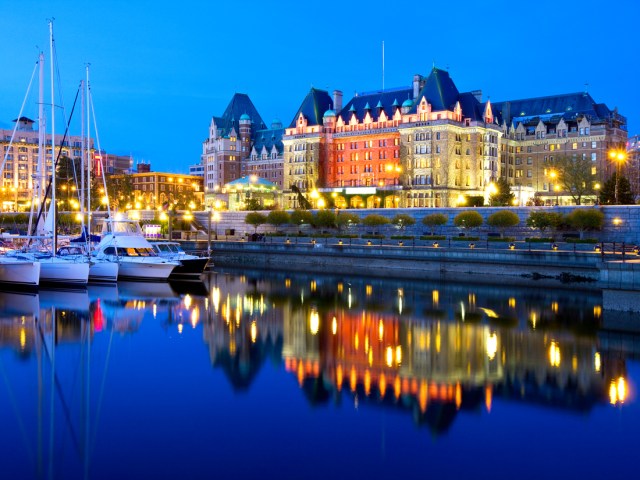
55 270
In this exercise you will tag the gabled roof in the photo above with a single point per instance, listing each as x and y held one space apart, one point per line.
439 90
567 106
239 105
313 107
388 99
269 138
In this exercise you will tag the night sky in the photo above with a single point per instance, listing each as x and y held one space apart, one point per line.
160 70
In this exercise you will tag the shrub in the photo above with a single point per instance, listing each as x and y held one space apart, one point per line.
541 220
583 219
403 220
468 220
278 218
324 219
255 219
346 219
375 221
435 220
503 219
300 217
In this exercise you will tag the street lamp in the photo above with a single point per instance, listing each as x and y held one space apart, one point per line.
596 187
618 156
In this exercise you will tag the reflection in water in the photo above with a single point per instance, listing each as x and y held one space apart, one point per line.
428 350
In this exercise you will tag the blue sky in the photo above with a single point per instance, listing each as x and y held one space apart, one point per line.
160 69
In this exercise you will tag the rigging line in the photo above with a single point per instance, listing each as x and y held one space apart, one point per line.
14 405
15 128
58 387
95 126
55 165
59 84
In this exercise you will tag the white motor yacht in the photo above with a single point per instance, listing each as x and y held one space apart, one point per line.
191 266
122 240
101 270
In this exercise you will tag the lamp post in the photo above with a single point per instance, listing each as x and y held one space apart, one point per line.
618 156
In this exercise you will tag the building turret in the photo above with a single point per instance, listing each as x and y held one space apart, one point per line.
245 132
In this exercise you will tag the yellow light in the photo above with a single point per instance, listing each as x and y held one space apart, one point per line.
380 330
334 326
398 354
617 221
254 331
137 205
622 389
554 354
321 203
23 338
597 362
78 217
613 393
492 346
389 356
461 200
435 297
180 328
314 322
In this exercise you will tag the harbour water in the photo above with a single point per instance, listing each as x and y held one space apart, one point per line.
255 374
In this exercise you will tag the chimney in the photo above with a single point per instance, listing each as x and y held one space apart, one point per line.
337 101
477 94
416 85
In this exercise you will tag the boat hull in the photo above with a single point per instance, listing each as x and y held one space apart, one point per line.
189 269
144 271
58 271
23 275
103 272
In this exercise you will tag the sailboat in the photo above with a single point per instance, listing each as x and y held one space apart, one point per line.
54 270
101 269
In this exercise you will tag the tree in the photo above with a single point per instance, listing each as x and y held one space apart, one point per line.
255 219
278 218
403 220
324 219
503 196
574 174
374 221
119 190
300 217
468 220
583 219
503 219
346 219
541 220
435 220
608 192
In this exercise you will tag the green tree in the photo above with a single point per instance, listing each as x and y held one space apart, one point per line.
277 218
468 220
575 177
608 192
503 219
503 196
375 221
324 219
253 204
435 221
583 219
301 217
541 220
255 219
346 219
119 190
403 220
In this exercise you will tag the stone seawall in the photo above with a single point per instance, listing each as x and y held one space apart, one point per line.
521 267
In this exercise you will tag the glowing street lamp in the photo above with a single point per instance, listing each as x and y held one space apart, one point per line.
618 156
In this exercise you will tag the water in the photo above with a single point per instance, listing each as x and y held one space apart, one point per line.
252 374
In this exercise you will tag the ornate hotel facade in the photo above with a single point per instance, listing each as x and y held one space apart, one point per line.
424 145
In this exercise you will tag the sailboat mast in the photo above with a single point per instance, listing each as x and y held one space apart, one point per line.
53 143
88 155
82 137
42 130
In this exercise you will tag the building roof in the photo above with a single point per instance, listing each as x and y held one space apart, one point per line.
269 138
252 181
439 90
313 107
239 105
551 108
386 100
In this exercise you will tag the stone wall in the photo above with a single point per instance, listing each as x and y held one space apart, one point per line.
622 223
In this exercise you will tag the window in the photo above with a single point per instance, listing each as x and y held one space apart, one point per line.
574 146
